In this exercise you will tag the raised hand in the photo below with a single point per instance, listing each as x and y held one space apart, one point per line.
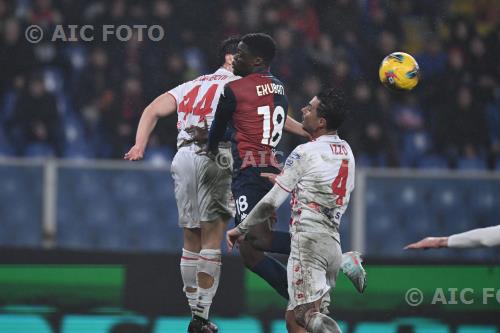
233 236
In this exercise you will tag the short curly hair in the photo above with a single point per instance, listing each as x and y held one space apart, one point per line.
261 45
332 107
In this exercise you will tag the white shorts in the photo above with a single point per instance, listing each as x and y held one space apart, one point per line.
202 188
312 268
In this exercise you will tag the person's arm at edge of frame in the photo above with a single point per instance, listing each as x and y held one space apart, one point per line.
164 105
488 237
295 127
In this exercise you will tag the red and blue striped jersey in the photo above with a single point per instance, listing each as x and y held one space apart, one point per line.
255 109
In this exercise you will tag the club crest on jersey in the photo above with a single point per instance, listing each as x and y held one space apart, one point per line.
292 158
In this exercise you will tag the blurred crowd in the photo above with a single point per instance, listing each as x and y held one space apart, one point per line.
80 99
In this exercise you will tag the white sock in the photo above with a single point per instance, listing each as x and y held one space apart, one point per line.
189 264
209 263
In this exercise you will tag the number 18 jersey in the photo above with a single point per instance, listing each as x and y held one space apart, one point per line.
255 108
320 176
197 101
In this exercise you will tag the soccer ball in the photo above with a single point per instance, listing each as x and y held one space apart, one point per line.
399 71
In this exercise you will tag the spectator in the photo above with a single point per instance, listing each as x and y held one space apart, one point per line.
121 119
303 18
338 43
36 118
16 57
493 121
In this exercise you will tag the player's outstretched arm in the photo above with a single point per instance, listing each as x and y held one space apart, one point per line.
162 106
259 214
294 127
474 238
429 243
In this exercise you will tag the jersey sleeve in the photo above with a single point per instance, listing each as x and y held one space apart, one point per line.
293 170
179 91
489 236
223 114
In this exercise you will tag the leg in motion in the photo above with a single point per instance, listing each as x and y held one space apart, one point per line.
309 316
291 324
208 273
189 264
264 265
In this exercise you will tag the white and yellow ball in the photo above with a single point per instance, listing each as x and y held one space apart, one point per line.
399 71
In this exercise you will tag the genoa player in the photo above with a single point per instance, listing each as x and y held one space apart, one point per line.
255 108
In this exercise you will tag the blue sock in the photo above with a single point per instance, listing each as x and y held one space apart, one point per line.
280 242
274 273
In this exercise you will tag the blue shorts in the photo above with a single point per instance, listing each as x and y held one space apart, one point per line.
248 188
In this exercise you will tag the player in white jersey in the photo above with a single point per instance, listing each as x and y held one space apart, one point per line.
202 189
320 176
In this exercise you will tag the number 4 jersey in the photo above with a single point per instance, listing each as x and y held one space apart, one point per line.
197 101
255 108
320 176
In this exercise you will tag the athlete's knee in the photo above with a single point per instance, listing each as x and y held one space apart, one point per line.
192 239
212 233
209 266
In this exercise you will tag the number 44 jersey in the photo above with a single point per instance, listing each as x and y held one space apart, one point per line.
320 176
197 101
255 109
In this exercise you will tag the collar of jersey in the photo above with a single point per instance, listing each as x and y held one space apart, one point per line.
225 70
328 137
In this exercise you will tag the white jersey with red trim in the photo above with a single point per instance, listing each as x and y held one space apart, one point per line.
320 176
197 101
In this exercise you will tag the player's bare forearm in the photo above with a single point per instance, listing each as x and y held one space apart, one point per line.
429 243
146 125
162 106
294 127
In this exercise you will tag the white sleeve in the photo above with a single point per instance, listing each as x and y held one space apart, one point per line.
179 91
474 238
264 209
